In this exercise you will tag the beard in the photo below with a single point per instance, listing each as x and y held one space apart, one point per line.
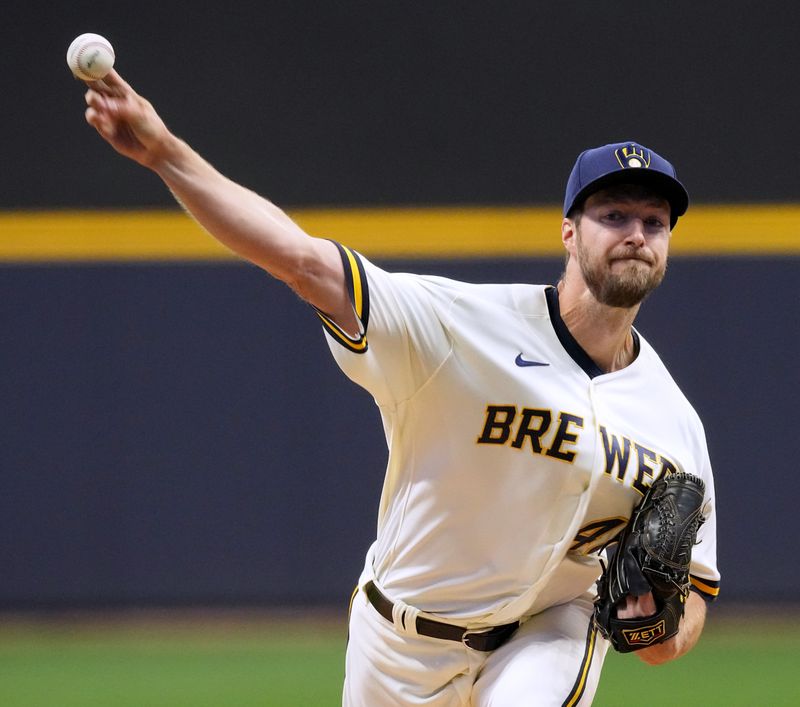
625 287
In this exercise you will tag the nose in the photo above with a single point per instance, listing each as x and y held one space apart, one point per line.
635 235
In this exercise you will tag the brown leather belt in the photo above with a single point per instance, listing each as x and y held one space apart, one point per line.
487 640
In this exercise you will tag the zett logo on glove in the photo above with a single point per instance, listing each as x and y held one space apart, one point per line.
645 635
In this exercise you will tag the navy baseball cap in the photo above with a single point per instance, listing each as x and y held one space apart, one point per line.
625 163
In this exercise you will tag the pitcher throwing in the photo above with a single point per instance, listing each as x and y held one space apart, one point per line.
525 423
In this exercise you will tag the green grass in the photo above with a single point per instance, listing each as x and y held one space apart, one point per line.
748 663
282 663
264 665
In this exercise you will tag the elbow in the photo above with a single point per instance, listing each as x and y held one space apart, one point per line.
305 274
301 277
294 264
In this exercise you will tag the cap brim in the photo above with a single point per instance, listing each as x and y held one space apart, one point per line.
671 189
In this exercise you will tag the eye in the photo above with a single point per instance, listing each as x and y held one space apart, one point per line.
614 216
654 222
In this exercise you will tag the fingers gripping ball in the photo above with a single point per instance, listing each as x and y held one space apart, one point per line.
90 57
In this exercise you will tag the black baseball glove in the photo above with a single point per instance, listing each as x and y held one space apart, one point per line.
652 554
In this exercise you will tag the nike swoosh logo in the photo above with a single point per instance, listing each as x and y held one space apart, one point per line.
522 362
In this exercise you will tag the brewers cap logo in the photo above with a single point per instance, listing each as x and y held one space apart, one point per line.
632 156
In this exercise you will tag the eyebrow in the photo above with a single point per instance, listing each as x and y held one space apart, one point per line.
655 201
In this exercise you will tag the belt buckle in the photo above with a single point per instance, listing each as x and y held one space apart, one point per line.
467 635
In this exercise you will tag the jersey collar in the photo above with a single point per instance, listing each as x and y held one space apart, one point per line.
571 346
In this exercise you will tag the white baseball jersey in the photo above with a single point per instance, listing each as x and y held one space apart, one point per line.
512 457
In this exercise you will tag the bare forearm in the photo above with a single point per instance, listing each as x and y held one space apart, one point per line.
256 229
692 623
245 222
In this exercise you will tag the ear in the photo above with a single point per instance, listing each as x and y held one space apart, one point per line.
569 231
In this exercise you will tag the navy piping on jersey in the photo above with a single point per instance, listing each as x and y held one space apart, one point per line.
571 346
358 293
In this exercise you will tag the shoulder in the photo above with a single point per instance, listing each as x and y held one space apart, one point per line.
510 294
529 298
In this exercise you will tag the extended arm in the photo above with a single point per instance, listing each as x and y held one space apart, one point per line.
240 219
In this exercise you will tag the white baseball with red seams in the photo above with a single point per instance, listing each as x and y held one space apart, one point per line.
90 56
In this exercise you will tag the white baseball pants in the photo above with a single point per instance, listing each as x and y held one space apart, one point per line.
554 659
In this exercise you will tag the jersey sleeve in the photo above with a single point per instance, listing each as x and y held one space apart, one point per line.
703 573
402 337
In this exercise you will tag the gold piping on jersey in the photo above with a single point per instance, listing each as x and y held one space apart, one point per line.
706 588
350 611
583 673
358 293
352 599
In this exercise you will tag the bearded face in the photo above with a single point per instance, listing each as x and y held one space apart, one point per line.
621 277
621 239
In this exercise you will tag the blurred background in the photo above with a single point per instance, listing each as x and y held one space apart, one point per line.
173 431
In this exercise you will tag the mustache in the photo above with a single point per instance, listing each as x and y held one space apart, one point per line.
633 254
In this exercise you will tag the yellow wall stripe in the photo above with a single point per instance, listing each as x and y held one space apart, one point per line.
396 232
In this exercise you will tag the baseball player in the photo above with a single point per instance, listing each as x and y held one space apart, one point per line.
524 424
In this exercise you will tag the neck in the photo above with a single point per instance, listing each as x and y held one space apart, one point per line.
603 332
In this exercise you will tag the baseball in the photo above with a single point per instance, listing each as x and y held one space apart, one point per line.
90 57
